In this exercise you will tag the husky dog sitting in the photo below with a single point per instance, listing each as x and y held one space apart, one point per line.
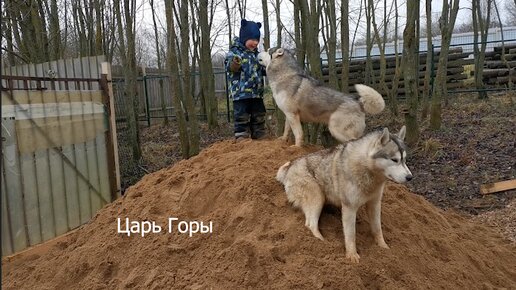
349 176
303 98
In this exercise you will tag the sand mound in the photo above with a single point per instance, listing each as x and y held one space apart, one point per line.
258 240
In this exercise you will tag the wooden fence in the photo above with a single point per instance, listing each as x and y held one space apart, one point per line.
455 72
59 161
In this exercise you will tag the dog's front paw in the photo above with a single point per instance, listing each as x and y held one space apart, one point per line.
283 138
353 257
383 245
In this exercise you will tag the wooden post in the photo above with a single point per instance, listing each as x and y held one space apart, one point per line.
145 92
113 147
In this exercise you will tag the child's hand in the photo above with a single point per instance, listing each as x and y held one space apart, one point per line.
236 63
237 59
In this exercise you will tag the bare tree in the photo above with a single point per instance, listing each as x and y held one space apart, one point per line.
369 11
175 81
344 41
228 15
310 15
207 77
380 43
126 44
193 132
279 26
331 43
480 24
429 59
410 72
242 7
446 23
266 31
160 66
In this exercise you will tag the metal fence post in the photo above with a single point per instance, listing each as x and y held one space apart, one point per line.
227 91
147 106
432 72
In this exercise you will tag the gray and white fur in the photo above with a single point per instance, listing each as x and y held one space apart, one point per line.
303 98
348 176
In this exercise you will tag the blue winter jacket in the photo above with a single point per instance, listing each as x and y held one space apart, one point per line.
247 83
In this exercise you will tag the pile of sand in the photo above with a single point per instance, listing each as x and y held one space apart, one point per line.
259 240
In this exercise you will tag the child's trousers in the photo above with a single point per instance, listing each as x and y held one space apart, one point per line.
249 116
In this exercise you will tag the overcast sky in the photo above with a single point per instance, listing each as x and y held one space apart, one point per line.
254 12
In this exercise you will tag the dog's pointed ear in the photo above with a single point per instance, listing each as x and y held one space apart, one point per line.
259 25
385 137
280 51
402 132
243 22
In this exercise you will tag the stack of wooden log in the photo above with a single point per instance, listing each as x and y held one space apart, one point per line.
454 77
498 71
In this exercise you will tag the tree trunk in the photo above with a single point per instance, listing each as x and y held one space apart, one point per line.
410 73
344 41
207 77
128 57
175 81
381 46
332 43
429 60
193 126
55 32
278 23
369 45
480 24
266 32
310 32
228 15
446 23
160 66
393 94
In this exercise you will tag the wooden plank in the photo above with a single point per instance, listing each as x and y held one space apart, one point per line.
498 186
111 139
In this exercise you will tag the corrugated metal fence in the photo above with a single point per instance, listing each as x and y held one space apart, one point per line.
59 157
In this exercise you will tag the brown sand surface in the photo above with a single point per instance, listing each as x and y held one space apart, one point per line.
258 239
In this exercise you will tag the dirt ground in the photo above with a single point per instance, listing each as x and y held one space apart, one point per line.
442 232
258 240
476 145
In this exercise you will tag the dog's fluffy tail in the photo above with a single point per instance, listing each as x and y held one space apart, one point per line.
282 172
371 99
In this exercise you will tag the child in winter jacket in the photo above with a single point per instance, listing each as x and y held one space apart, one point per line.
245 82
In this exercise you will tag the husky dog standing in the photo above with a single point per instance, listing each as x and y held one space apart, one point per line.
349 176
303 98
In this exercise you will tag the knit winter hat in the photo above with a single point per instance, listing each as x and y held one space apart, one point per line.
249 30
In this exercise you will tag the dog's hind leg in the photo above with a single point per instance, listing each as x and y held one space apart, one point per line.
312 206
285 131
295 124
